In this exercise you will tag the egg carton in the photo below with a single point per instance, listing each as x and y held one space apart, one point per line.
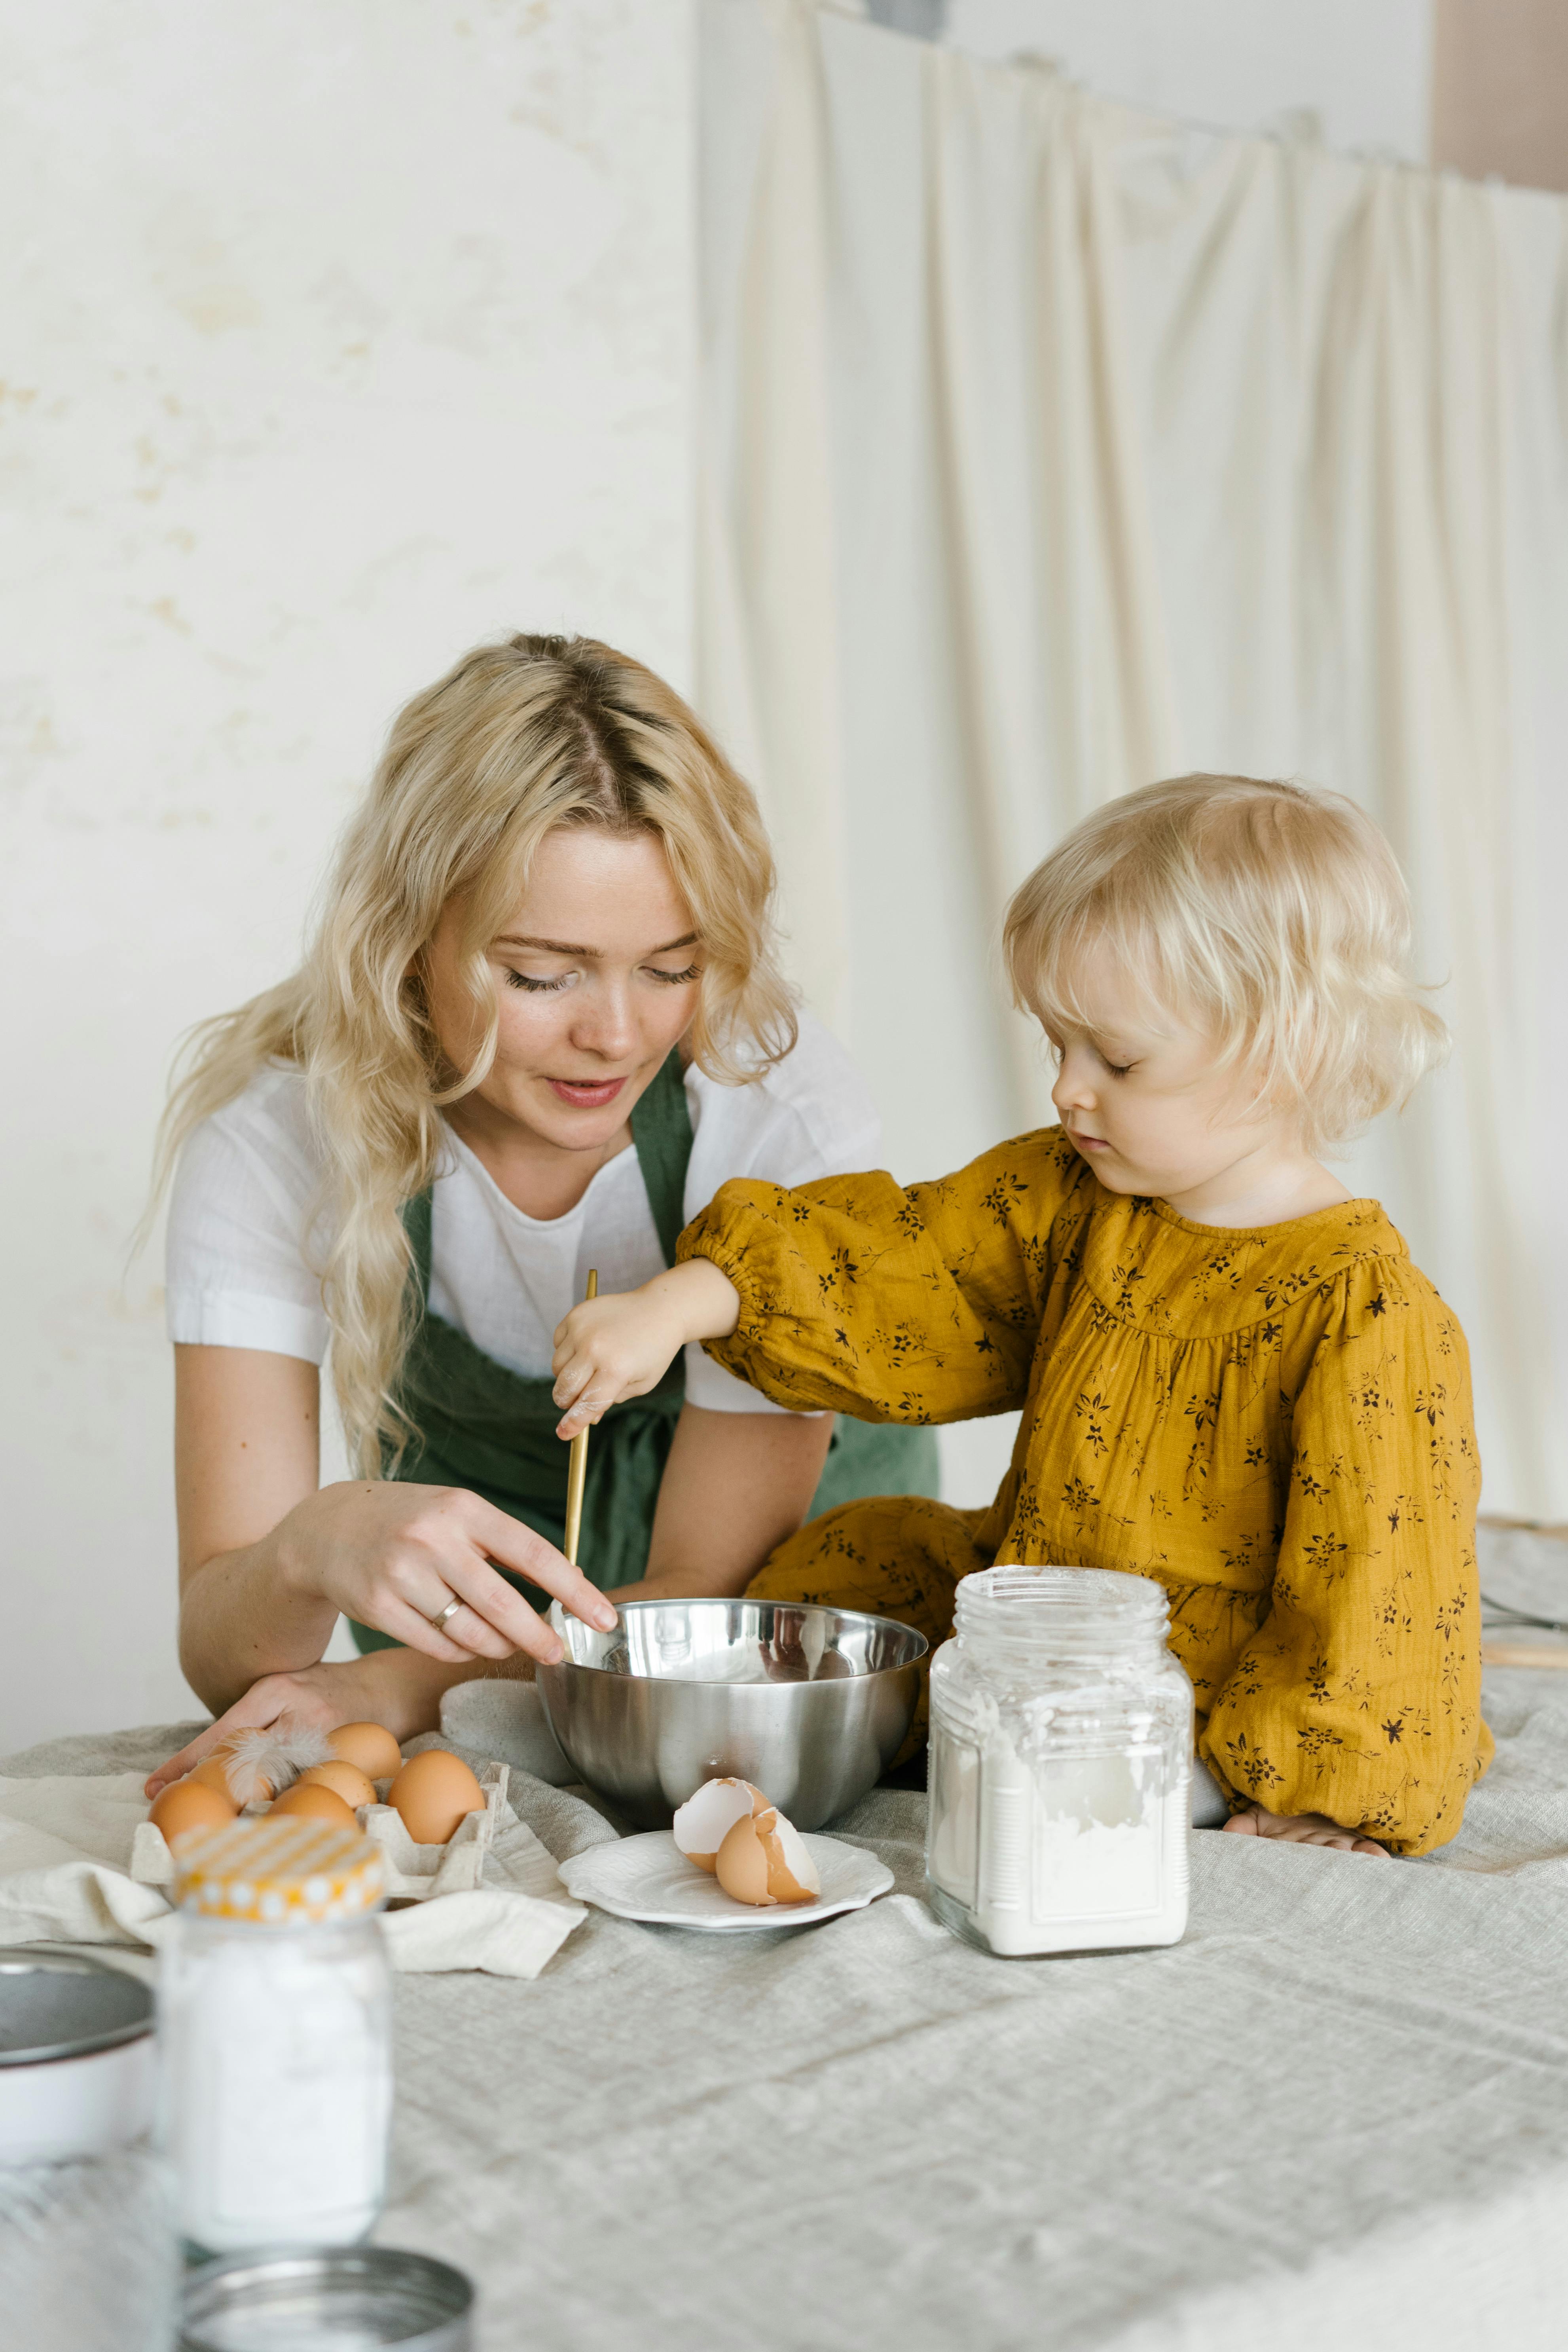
414 1872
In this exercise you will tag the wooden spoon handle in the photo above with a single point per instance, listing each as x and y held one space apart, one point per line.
577 1466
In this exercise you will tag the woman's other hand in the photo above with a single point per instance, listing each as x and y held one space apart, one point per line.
389 1686
395 1556
1302 1829
623 1344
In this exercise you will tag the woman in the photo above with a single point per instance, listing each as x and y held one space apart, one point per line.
539 1024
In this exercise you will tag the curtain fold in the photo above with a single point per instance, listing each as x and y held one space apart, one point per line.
1049 448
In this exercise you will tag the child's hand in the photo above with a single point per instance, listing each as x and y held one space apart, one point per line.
1302 1829
621 1345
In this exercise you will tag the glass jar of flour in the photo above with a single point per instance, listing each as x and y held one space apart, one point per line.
1061 1750
275 2021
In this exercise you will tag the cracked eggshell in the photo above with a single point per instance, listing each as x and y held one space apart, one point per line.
793 1877
702 1823
764 1861
741 1864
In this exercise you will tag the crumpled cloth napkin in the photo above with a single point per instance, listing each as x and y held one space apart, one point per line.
505 1720
65 1856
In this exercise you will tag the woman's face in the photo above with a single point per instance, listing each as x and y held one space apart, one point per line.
596 976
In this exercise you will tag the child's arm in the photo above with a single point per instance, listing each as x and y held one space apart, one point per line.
848 1296
623 1344
1359 1697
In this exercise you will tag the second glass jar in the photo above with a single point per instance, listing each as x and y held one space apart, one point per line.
1061 1748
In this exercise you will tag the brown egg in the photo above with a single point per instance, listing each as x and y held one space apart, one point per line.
765 1860
375 1751
214 1770
345 1780
433 1792
191 1804
316 1804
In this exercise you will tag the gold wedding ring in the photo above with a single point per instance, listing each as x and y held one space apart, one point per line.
440 1622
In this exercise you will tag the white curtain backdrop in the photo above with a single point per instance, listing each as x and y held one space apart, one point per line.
1048 448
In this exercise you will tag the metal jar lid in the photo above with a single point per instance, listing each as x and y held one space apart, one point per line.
57 2005
319 2298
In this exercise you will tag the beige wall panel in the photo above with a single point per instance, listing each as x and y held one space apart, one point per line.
1499 89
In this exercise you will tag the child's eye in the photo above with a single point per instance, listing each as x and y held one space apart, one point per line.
537 987
673 979
1119 1069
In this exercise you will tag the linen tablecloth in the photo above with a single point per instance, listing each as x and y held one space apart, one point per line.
1334 2117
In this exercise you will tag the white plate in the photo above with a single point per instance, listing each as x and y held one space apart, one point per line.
650 1878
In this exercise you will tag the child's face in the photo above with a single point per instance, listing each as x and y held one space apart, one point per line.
1139 1094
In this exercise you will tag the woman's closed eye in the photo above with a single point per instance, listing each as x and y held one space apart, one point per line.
558 981
539 987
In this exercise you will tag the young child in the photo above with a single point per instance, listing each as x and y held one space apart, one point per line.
1232 1377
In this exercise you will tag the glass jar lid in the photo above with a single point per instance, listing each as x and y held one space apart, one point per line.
281 1871
1061 1612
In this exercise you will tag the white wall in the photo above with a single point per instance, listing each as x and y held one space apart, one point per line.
339 334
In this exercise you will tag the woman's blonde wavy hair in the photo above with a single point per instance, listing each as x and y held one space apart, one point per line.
1274 917
519 737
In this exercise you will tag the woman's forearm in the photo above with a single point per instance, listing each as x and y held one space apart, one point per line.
246 1458
242 1616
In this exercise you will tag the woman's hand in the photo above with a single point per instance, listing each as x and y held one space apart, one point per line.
316 1698
392 1688
1302 1829
395 1556
622 1345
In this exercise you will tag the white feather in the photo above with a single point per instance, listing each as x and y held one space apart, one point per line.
270 1758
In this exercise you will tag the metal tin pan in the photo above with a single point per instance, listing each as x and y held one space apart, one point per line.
76 2056
57 2005
319 2298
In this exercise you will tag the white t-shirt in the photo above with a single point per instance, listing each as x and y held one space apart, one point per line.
239 1257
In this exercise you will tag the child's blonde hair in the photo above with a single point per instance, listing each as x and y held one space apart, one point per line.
517 739
1274 917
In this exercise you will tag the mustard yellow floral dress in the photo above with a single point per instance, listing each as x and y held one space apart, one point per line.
1276 1423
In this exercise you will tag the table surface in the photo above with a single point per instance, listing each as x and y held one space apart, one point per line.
1335 2116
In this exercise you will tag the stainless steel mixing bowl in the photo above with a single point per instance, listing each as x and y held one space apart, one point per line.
812 1704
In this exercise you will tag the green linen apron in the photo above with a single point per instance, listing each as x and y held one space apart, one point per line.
483 1427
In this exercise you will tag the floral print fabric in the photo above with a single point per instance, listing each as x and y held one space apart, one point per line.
1276 1423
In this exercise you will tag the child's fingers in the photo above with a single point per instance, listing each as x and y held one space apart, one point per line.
585 1413
571 1379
